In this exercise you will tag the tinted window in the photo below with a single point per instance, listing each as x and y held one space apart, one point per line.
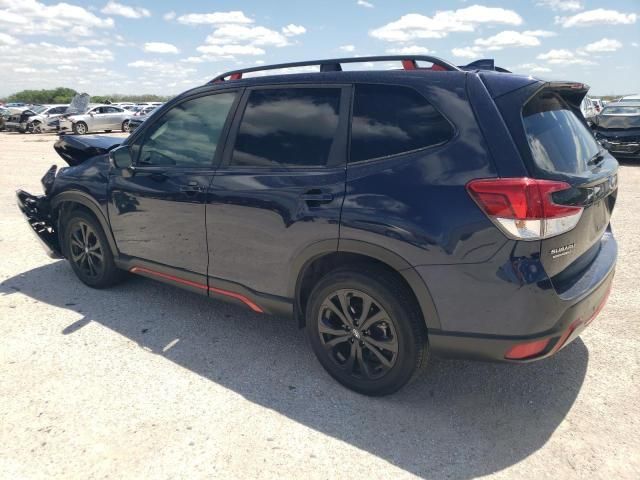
388 120
287 127
187 135
559 140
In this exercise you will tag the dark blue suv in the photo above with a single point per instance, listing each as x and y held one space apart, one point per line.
394 214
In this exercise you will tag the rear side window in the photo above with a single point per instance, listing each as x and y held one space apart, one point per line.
388 120
560 142
293 127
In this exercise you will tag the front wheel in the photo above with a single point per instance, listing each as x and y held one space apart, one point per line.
366 331
87 249
80 128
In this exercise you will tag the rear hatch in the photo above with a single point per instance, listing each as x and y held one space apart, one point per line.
563 148
556 144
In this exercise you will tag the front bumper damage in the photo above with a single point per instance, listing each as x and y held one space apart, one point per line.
37 211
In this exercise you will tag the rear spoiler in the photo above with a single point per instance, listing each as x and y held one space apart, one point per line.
484 64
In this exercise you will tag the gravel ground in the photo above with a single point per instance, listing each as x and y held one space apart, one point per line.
148 381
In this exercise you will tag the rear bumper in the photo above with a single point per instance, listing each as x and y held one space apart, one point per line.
495 347
487 315
36 212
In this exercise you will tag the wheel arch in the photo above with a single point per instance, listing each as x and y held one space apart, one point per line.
66 200
320 259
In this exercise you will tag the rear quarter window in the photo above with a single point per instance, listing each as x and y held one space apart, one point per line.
389 120
560 142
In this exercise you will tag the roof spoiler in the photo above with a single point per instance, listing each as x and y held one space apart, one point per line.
409 62
484 64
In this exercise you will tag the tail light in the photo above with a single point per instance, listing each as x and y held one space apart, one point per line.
523 208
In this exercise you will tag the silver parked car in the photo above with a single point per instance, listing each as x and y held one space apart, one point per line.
97 118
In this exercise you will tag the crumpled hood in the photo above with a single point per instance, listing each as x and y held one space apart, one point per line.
75 149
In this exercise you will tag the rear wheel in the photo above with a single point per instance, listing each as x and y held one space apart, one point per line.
88 251
125 126
366 331
80 128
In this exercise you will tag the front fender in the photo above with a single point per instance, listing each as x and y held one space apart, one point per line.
86 200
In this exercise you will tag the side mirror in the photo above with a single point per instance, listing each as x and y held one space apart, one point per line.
120 157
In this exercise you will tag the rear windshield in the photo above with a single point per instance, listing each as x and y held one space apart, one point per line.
560 142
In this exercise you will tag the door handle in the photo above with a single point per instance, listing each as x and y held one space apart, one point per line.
316 196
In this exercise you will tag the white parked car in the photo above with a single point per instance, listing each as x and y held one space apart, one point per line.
588 110
97 118
43 121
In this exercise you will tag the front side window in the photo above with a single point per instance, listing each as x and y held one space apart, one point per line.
187 135
287 127
388 120
559 140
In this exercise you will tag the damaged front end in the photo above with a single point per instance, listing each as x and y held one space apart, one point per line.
37 212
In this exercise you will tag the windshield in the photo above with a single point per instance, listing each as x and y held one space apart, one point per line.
560 142
38 109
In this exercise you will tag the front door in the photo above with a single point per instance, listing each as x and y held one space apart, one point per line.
280 187
157 208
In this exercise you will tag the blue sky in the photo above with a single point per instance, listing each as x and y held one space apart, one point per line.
145 46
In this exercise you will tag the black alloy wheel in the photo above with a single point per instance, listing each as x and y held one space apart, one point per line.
86 251
357 333
366 329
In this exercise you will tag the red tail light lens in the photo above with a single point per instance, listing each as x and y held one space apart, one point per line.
523 208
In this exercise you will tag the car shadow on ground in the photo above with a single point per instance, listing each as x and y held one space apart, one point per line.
458 420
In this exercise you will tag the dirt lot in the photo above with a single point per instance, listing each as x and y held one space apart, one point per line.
148 381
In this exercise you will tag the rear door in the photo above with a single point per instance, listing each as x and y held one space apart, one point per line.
281 186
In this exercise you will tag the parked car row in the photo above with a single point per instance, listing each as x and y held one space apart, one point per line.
79 117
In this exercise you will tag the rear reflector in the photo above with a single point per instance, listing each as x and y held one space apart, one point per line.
526 350
523 208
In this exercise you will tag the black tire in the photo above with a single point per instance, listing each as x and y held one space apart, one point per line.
87 249
125 126
80 128
399 326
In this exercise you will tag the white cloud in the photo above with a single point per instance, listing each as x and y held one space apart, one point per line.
530 68
597 17
44 53
416 26
115 8
230 50
240 34
635 44
143 64
362 3
563 56
508 38
215 18
30 17
292 30
410 50
466 52
566 5
540 33
160 47
169 15
347 48
604 45
6 39
25 70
